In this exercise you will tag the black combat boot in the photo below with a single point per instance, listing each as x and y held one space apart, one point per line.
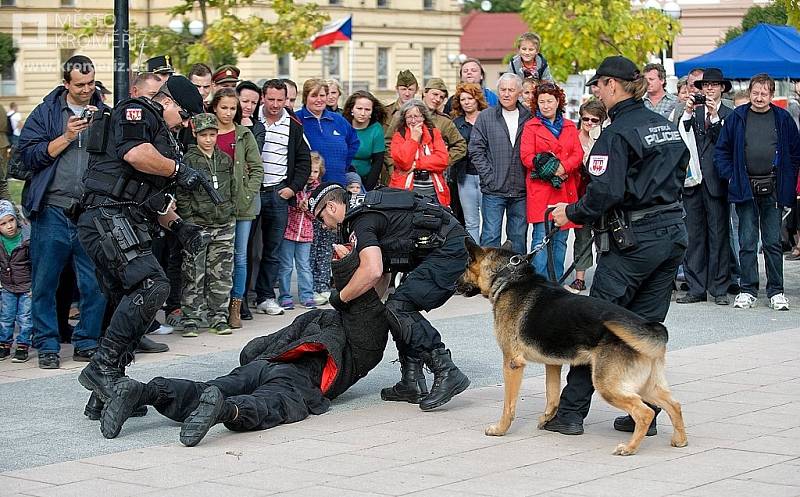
94 409
448 380
107 364
627 424
126 398
412 386
211 410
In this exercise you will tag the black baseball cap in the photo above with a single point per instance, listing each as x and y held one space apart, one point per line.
184 93
319 192
616 66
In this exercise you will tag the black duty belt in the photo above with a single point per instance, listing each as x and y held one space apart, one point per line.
122 188
638 215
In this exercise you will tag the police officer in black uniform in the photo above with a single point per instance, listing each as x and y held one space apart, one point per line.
398 230
636 170
134 162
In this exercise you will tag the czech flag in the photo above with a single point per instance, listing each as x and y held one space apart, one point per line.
333 32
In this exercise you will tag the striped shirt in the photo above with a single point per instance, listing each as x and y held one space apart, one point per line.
276 150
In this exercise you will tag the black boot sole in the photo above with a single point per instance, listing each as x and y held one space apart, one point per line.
627 425
196 426
462 385
96 414
391 395
121 406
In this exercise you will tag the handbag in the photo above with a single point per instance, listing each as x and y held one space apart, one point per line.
762 185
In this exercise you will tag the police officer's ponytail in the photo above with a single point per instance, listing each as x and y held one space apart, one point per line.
637 87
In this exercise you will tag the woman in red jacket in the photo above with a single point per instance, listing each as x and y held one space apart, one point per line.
419 154
551 154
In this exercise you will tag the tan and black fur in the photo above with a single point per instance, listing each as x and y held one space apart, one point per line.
537 321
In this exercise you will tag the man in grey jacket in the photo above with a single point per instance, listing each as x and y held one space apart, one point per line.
494 150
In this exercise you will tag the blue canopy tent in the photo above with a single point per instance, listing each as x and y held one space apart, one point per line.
774 50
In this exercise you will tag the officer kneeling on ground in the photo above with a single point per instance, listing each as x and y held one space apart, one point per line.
398 230
134 160
636 172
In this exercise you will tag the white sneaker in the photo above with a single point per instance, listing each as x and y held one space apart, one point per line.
164 329
779 302
269 306
320 299
746 301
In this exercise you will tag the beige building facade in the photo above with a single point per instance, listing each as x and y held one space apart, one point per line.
388 36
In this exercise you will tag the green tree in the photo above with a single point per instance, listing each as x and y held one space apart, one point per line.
579 34
775 13
225 38
8 52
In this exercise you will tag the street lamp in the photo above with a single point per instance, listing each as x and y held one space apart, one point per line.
456 59
195 28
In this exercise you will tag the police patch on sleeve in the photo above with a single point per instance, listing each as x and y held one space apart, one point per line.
597 164
133 114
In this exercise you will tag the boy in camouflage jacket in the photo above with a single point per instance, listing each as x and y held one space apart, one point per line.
207 275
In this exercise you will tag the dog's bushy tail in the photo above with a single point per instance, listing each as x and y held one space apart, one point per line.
649 339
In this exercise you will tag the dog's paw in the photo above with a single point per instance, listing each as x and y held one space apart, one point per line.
624 450
679 442
494 431
544 418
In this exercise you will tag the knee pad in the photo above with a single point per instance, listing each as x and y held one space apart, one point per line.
150 296
403 317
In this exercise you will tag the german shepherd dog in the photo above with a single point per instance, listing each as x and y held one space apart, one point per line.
535 320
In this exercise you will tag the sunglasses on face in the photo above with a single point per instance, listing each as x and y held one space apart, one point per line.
184 114
590 120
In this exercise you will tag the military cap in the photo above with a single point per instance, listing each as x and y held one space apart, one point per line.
160 64
226 74
319 192
406 78
616 66
100 86
205 121
436 84
184 93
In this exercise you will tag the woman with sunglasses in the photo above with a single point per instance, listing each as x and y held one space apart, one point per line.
552 156
239 143
593 116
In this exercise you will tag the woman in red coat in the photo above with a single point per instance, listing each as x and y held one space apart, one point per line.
419 154
551 154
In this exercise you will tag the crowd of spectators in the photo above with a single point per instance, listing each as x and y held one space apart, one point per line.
496 156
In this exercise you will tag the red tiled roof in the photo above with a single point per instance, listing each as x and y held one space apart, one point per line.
488 36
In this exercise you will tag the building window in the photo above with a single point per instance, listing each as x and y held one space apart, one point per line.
333 61
334 2
67 3
428 4
7 3
383 67
428 55
284 66
8 82
382 4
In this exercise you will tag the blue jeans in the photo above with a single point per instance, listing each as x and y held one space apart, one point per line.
559 243
469 191
493 208
274 216
16 309
290 254
54 240
761 214
240 240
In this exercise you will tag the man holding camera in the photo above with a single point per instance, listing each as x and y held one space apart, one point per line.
134 162
705 195
53 146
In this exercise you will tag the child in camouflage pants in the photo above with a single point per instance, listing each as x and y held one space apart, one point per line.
208 275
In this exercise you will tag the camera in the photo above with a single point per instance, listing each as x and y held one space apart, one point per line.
699 99
87 114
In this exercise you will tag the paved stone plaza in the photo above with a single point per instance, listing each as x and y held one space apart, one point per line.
736 372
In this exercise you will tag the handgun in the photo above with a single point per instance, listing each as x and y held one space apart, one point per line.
216 198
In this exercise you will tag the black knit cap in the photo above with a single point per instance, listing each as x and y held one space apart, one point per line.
319 192
184 93
616 66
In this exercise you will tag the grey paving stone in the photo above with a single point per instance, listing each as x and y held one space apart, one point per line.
735 486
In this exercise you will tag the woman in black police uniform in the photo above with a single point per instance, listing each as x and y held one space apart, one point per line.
134 159
636 170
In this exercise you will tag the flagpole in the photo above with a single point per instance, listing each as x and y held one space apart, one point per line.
350 63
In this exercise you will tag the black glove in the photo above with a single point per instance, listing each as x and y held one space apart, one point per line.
187 177
193 237
337 302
